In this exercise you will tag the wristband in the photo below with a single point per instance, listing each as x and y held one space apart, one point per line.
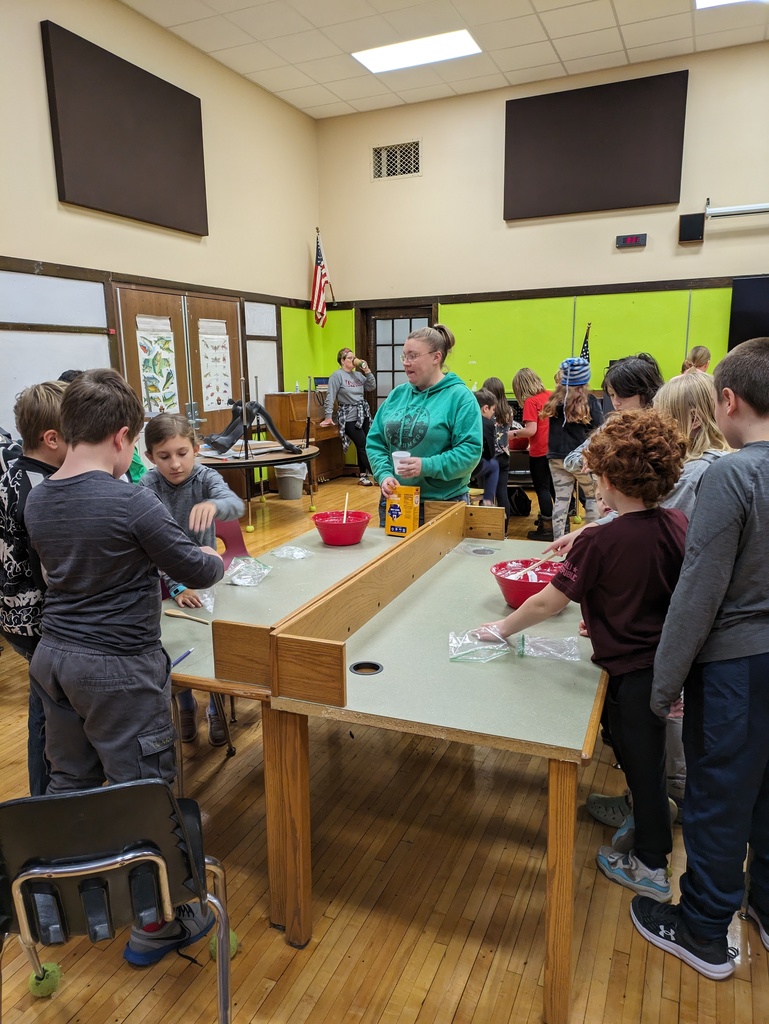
176 590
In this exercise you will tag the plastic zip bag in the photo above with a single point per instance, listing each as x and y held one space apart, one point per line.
246 572
207 598
291 551
564 648
470 647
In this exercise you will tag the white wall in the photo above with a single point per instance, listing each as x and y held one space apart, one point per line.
443 232
260 160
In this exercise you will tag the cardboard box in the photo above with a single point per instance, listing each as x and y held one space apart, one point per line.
402 512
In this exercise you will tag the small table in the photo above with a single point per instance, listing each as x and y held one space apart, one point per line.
261 454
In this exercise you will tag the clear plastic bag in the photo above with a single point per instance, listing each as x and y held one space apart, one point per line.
564 648
291 551
246 572
207 598
470 647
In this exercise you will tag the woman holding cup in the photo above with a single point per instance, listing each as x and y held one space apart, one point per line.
347 387
427 433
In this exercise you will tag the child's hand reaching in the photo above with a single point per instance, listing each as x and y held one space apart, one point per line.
188 599
202 515
492 630
582 628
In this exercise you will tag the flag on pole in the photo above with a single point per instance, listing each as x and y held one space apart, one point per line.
319 282
585 352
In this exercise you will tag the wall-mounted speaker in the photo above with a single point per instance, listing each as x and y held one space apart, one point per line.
691 227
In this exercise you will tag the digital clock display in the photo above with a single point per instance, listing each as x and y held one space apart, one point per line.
630 241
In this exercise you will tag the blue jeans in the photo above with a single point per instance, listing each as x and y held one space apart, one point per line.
38 768
726 806
487 475
383 508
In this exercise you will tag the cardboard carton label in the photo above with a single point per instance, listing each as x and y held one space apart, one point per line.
402 511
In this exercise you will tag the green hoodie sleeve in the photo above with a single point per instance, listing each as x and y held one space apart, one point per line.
459 460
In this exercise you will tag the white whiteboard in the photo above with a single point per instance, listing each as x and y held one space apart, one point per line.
262 362
36 299
31 358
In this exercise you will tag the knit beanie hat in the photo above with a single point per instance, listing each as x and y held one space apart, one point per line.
574 372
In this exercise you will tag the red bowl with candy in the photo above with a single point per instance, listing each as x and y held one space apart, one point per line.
516 591
335 531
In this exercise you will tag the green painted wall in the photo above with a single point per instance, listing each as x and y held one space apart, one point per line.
309 350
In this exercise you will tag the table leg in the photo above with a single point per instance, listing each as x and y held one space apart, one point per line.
559 907
287 806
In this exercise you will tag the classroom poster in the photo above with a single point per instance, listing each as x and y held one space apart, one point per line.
157 364
215 369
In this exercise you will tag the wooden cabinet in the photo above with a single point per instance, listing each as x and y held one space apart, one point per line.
288 410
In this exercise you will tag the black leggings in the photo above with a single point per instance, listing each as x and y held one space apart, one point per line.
358 437
502 497
543 484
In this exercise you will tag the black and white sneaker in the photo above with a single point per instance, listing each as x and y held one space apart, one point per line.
762 920
663 926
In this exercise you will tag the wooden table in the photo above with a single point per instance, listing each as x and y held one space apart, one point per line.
261 455
398 612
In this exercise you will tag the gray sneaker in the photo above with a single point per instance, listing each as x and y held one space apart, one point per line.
217 736
189 925
626 869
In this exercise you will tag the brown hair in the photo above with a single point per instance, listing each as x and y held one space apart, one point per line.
167 425
503 414
698 359
342 353
526 384
97 405
575 402
438 339
485 397
691 401
745 371
641 453
37 409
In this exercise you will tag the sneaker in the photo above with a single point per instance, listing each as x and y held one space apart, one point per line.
624 838
666 929
626 869
609 810
763 924
189 925
217 737
188 720
364 481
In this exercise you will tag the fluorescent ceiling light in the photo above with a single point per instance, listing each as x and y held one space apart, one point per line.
702 5
418 51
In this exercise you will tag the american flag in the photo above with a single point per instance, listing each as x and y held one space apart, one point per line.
585 353
319 282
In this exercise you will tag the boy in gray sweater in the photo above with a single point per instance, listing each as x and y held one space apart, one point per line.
715 642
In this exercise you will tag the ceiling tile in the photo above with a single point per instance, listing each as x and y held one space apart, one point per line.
722 19
226 6
589 44
514 58
482 84
512 32
309 96
735 37
304 46
357 88
384 6
411 78
596 63
270 20
426 19
280 79
212 34
481 12
641 10
170 12
551 5
329 110
432 92
251 57
462 68
658 30
377 102
332 12
362 34
583 18
536 74
658 51
333 69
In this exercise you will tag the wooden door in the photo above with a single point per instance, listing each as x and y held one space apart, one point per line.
213 329
385 332
153 347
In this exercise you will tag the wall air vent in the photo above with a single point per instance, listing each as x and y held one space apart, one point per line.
398 161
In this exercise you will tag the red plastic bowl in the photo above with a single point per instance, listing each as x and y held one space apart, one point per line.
515 592
337 533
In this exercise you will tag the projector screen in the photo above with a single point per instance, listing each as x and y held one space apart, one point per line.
124 141
608 147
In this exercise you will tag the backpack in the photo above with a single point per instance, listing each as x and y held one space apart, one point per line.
520 502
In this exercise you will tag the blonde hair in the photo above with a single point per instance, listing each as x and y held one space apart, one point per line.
691 401
698 359
575 400
38 409
526 384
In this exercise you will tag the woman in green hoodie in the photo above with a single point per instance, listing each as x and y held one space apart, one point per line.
434 416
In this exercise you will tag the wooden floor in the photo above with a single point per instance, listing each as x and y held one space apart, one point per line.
429 880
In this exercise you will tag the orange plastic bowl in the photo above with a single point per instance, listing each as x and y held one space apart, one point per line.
515 592
337 533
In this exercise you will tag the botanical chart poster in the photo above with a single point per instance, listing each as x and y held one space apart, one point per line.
215 369
157 364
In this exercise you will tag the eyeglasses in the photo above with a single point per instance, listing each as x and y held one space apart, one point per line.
411 357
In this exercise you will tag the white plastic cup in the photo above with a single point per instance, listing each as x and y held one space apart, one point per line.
397 458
